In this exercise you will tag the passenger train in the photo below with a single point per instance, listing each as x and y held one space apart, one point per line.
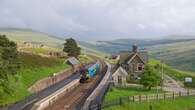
87 73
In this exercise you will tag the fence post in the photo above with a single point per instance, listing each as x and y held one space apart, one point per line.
150 107
157 96
146 97
120 101
133 98
179 93
188 92
140 98
173 95
164 96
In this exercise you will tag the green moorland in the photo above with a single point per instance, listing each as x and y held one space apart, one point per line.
27 35
116 92
178 55
175 52
21 35
33 68
174 73
182 103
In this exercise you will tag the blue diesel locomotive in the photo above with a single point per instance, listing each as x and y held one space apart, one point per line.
87 73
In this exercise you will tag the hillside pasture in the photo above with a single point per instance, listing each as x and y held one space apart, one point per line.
178 55
31 36
33 68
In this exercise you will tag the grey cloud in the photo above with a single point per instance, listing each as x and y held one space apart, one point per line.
101 19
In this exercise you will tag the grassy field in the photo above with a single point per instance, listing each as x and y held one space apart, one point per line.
43 50
182 103
115 93
85 59
33 68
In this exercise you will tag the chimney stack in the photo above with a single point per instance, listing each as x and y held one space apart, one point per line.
135 48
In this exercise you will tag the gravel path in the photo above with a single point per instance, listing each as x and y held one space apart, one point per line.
171 85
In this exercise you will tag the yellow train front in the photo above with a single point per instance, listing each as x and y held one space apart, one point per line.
87 73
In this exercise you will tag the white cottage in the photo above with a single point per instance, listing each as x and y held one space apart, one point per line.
120 76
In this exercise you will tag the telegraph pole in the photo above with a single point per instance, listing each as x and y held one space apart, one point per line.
162 73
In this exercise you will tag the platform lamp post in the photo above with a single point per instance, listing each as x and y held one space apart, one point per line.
162 72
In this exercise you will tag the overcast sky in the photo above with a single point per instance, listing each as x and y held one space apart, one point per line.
101 19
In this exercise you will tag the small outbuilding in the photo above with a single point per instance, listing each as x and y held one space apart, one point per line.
72 61
120 76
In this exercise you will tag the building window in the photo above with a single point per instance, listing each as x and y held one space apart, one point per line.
139 67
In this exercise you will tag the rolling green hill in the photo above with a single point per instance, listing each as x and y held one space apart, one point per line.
21 35
28 35
177 52
179 55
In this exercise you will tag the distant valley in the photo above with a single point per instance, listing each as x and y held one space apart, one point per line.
177 52
174 50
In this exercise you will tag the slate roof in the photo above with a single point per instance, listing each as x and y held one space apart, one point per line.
120 71
134 55
125 56
72 61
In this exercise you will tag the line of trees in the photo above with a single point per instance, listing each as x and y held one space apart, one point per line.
8 64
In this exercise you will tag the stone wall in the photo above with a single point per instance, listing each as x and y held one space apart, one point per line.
29 45
100 89
48 81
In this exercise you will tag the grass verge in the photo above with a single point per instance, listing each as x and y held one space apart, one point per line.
182 103
116 92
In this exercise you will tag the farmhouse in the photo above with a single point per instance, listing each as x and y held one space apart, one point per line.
131 62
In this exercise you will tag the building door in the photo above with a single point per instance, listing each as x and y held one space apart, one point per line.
119 79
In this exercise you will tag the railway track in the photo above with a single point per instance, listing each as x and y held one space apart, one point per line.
74 99
46 92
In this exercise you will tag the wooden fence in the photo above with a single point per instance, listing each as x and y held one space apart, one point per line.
141 98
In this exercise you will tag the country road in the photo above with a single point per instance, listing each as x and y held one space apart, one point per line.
172 85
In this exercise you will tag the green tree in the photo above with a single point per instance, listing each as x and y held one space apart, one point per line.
8 63
71 48
149 78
